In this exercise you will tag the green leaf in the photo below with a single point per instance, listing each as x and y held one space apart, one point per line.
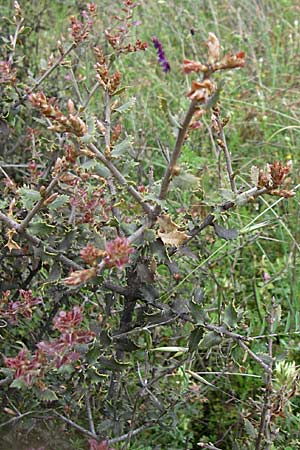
230 316
149 293
126 345
18 383
40 228
250 429
25 30
112 364
67 240
119 91
102 170
60 201
87 138
122 147
224 233
127 106
198 313
195 338
186 181
48 396
149 235
210 340
29 197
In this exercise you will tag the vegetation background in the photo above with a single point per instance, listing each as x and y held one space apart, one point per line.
207 396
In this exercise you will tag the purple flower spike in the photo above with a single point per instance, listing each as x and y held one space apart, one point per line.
161 55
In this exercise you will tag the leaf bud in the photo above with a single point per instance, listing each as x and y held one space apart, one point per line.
176 171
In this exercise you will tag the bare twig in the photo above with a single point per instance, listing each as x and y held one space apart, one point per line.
221 141
76 426
89 413
121 179
52 68
15 419
177 149
24 224
131 433
265 419
255 357
38 242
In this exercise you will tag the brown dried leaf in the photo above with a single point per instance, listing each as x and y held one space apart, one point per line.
11 244
168 232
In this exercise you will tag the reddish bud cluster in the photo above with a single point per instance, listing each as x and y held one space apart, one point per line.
80 276
273 177
70 154
117 130
56 352
10 310
201 91
80 30
61 350
91 254
90 205
214 62
107 82
61 123
117 39
118 252
7 73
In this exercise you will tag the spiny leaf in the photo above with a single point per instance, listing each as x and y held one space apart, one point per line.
112 364
195 338
48 396
224 233
29 197
60 201
230 316
210 340
122 147
127 106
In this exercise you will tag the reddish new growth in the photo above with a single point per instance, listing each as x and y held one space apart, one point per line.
103 445
91 254
214 61
53 353
90 205
68 320
118 37
118 252
7 73
273 177
10 310
80 30
107 82
60 123
61 350
25 365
